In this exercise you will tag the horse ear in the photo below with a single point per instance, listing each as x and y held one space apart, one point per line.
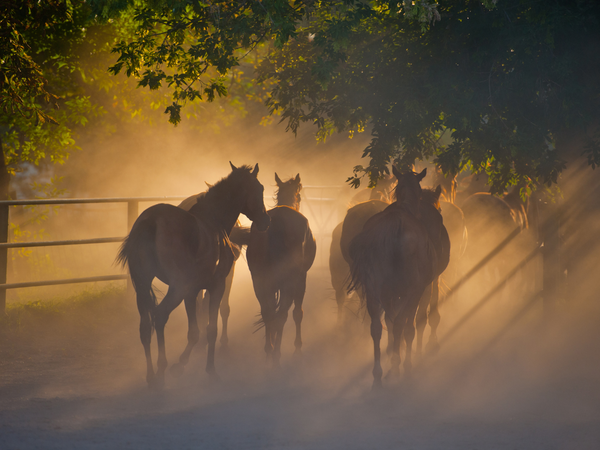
422 175
298 178
255 171
232 166
438 191
395 172
278 180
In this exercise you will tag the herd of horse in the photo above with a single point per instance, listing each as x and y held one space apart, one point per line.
390 250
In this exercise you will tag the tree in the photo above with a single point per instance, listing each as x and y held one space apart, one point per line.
482 85
39 106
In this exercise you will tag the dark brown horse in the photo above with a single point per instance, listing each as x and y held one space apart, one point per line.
279 259
339 251
189 251
203 300
394 259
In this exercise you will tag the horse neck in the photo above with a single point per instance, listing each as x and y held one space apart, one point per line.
410 202
288 200
217 209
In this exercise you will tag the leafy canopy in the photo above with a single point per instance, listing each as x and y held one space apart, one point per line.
488 86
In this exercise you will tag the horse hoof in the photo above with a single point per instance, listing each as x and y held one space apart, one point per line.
156 384
214 378
225 350
177 370
432 348
377 385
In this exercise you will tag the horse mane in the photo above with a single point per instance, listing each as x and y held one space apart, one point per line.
221 189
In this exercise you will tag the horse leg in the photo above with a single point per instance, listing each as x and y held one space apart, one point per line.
145 304
202 302
193 333
412 303
434 317
285 302
267 298
375 313
225 309
298 313
216 294
389 324
395 336
421 318
173 299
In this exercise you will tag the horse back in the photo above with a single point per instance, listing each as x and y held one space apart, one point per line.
393 248
176 243
355 219
288 241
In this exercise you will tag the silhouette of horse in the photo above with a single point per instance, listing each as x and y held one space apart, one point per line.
489 220
279 259
188 251
364 204
203 299
339 251
395 257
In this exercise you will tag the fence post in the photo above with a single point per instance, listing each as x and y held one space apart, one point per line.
132 215
3 255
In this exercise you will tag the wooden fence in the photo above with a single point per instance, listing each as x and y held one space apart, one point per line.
319 204
132 214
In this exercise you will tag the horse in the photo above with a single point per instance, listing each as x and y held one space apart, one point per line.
188 251
339 251
203 299
279 259
394 258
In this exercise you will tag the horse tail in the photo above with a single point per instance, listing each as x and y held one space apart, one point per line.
133 251
122 258
372 252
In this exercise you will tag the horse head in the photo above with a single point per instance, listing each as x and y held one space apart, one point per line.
253 205
288 192
408 190
432 197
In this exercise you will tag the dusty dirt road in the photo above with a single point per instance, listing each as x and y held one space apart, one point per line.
77 382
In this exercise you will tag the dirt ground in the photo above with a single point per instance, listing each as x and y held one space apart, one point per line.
76 380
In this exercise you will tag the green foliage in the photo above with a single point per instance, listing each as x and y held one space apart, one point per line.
32 34
502 79
486 86
190 47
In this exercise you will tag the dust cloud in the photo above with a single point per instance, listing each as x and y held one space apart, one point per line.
508 374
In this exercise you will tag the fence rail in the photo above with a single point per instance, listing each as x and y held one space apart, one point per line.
132 214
